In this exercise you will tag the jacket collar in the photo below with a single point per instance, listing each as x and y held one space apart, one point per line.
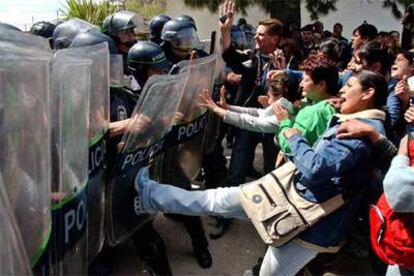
366 114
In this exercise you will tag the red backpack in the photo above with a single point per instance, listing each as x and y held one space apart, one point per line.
392 234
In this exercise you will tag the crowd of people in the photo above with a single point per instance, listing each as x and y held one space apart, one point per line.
338 109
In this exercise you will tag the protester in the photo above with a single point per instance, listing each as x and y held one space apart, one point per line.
329 160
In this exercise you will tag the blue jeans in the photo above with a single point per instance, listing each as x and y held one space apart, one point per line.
154 197
242 156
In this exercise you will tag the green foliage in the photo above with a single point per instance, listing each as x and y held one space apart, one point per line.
316 8
146 9
320 7
87 10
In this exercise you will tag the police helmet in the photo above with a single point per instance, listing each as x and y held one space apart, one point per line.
121 21
146 54
9 27
238 38
249 32
66 31
156 24
43 28
181 35
187 18
92 38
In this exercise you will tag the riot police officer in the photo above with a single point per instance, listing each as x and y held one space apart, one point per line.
121 27
149 244
44 29
188 19
65 32
155 25
179 40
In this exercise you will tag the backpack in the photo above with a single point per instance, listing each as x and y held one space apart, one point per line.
392 234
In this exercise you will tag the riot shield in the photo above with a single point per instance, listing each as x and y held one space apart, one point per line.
25 144
98 128
13 259
70 108
25 40
148 134
180 164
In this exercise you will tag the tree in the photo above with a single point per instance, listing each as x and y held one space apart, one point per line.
145 8
88 10
289 10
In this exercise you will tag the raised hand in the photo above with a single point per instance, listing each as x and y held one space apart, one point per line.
206 101
227 11
223 102
278 59
402 90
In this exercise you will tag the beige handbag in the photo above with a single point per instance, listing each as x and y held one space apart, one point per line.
276 209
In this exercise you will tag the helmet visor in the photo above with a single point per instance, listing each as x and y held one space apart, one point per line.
186 40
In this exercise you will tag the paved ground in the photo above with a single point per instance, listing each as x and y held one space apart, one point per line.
235 252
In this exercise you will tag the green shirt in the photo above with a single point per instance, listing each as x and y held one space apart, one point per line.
311 121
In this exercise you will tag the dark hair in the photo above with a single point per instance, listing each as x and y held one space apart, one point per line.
274 26
394 32
321 68
382 33
338 24
308 28
332 47
408 55
372 53
366 30
369 79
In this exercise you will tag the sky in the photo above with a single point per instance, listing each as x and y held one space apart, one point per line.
22 13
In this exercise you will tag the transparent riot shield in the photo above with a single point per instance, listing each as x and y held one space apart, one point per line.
98 129
180 164
13 258
25 40
148 135
70 119
25 126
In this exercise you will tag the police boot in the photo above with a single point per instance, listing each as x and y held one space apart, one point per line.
158 265
203 257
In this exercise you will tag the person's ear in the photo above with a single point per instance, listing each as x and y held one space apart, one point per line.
368 94
412 69
322 85
376 67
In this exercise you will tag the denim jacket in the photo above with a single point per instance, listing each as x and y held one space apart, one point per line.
332 167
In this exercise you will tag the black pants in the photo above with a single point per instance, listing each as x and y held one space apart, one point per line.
151 249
